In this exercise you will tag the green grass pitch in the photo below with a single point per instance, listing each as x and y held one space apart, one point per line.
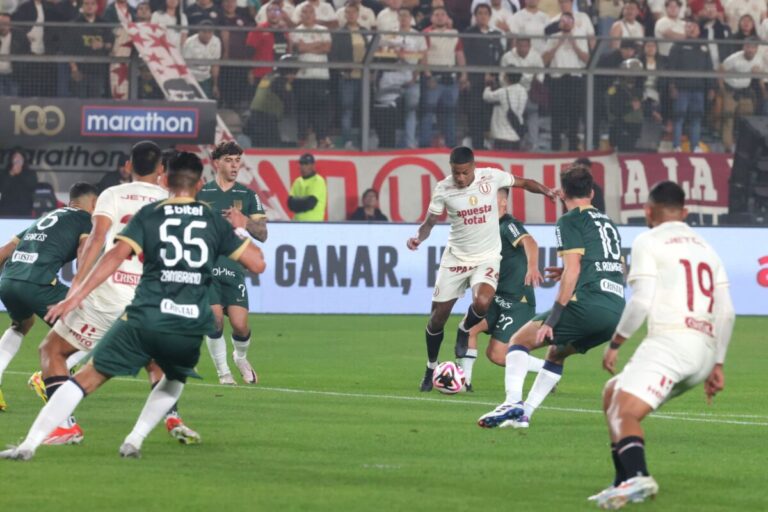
337 424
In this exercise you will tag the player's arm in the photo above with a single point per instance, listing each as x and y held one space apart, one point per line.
568 280
91 249
635 313
424 230
534 187
531 248
255 225
725 316
7 250
252 258
81 249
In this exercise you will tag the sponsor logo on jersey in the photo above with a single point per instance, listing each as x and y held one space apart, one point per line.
121 277
185 310
106 121
237 204
81 338
136 197
485 187
475 215
473 200
223 272
460 269
513 229
700 325
180 276
24 257
609 266
185 209
37 237
609 286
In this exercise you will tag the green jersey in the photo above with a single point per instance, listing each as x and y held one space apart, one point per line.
47 245
593 234
514 262
180 239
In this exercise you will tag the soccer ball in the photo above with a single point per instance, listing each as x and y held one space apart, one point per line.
449 378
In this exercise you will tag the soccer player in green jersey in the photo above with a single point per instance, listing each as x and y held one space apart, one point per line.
228 293
587 308
180 239
515 302
33 258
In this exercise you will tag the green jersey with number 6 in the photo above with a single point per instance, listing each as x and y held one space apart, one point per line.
180 239
593 234
47 245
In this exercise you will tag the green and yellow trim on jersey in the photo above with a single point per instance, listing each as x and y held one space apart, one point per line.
239 251
136 248
519 239
577 250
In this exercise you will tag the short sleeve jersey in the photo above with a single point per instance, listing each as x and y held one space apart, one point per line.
473 214
119 204
686 270
514 262
593 234
180 240
47 245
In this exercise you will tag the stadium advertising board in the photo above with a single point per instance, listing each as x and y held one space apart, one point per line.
33 120
365 268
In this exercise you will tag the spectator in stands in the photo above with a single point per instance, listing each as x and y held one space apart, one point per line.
325 15
349 46
739 93
624 108
659 8
388 18
423 16
531 22
582 23
366 17
501 14
524 56
440 90
670 27
309 194
89 80
268 46
144 15
646 18
172 18
17 187
117 177
712 29
205 45
234 79
313 43
369 211
627 27
12 42
735 10
567 89
656 105
689 94
696 8
485 51
460 16
35 77
286 12
608 13
508 100
611 60
746 30
200 11
119 11
272 97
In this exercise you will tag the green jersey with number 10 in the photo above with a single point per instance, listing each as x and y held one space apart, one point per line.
180 239
591 233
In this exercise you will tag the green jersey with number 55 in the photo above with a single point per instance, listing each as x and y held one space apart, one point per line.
180 239
593 234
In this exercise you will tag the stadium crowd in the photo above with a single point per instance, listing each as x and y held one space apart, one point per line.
415 106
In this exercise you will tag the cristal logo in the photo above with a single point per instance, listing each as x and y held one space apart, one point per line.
128 278
762 275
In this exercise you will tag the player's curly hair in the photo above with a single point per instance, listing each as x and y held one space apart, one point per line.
577 181
226 148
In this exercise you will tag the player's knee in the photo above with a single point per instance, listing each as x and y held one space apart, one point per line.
496 356
481 305
22 326
608 394
218 333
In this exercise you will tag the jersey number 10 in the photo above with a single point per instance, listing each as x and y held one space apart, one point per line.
610 239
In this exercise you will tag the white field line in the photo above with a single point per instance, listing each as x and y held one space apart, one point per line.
720 419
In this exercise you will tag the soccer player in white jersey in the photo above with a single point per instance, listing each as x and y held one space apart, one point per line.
84 327
680 285
473 253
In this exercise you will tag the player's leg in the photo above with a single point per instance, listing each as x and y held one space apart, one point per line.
467 362
546 379
241 340
508 318
483 280
434 337
217 345
10 343
175 426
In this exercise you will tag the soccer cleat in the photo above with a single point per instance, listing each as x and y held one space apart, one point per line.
523 422
246 370
227 380
14 453
468 388
3 405
634 490
61 436
179 431
502 416
426 382
128 451
597 496
37 385
462 342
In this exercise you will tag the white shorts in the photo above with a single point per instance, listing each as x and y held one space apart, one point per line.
84 327
667 365
454 277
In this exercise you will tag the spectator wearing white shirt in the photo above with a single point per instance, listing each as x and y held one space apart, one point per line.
608 12
510 6
205 45
627 27
524 56
366 17
501 17
659 8
670 27
530 22
325 15
582 23
735 9
388 18
739 97
286 9
169 17
568 52
509 99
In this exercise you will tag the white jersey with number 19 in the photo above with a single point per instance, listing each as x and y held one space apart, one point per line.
473 213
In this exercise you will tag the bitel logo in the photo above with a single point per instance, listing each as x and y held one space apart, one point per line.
139 122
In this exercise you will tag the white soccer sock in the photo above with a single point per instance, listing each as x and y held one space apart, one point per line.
159 402
75 359
58 409
241 346
514 375
535 364
9 345
467 363
545 381
431 364
218 349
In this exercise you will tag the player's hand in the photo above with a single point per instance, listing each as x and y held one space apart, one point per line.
533 277
714 383
413 243
62 308
610 357
553 273
544 333
235 217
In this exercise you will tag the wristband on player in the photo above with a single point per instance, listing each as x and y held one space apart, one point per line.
614 345
554 315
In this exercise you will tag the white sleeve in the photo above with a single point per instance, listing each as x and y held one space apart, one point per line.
105 206
437 203
502 178
636 310
643 263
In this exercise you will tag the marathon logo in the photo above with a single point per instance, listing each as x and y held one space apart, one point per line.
700 325
169 307
24 257
126 278
139 122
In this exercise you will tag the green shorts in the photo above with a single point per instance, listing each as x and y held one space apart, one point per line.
583 325
126 349
24 300
228 288
506 317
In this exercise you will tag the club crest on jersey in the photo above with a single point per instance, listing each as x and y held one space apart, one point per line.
473 200
485 187
238 204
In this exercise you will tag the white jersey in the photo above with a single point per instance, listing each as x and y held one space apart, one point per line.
473 213
119 204
686 270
